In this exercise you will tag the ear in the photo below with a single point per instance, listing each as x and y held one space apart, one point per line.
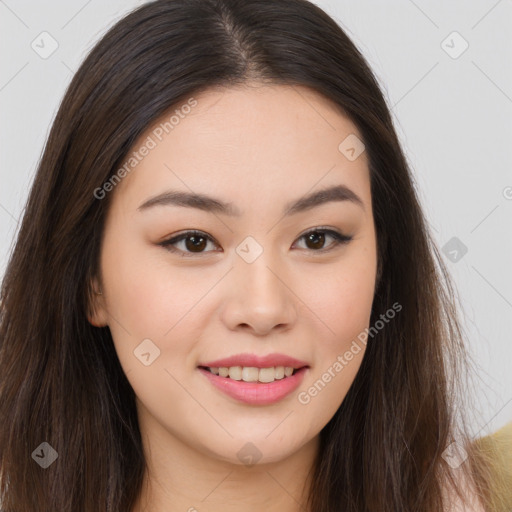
97 312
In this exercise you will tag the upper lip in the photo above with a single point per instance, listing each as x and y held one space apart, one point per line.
253 360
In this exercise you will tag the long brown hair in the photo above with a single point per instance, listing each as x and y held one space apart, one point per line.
61 381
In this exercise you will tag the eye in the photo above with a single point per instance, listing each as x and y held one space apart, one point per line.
315 239
196 241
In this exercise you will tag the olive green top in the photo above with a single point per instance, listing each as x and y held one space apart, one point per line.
499 446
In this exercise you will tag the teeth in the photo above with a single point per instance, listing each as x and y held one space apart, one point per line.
235 372
267 374
249 373
253 374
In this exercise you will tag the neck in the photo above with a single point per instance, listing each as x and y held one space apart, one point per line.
183 478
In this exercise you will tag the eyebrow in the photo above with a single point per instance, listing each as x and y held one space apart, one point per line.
211 204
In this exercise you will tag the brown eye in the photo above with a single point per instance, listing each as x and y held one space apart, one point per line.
196 242
315 239
193 242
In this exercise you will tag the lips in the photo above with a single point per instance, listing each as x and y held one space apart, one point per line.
245 367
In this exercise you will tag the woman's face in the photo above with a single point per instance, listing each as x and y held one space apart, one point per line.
264 277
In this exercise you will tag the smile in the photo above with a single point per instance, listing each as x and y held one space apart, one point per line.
252 373
248 384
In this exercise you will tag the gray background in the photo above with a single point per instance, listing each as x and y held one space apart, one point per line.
452 111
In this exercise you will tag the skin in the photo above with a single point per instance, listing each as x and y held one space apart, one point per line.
257 147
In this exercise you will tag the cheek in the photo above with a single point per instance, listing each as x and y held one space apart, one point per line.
338 354
147 295
148 298
342 301
342 298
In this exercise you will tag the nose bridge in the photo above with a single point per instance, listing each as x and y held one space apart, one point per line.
259 297
260 275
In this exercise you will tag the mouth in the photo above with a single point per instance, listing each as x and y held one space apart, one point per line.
253 385
253 373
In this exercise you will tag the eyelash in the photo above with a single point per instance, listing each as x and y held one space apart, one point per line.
339 239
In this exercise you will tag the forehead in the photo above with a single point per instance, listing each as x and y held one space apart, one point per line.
271 142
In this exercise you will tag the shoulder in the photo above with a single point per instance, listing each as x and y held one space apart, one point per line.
499 446
468 499
496 450
494 454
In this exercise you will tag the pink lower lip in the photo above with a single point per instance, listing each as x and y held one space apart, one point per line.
256 393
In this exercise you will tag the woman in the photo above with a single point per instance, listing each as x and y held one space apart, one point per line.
177 331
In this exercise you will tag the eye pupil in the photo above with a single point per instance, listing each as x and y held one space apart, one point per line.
317 238
196 245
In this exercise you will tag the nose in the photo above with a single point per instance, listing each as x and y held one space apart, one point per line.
258 297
